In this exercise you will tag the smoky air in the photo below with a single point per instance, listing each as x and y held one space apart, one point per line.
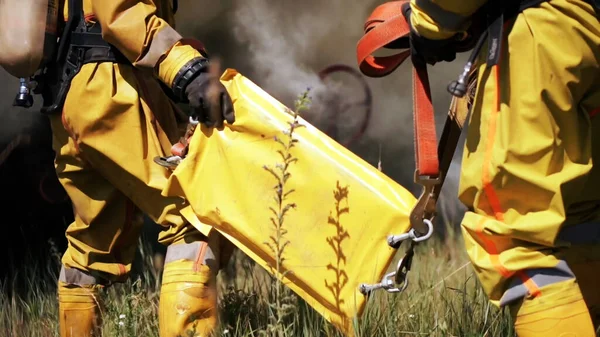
281 46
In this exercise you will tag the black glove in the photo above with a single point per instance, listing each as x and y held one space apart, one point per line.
208 98
427 50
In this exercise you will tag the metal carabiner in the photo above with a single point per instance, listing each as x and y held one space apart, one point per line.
194 120
404 267
387 284
395 240
399 283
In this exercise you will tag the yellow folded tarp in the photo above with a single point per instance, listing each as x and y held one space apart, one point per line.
344 207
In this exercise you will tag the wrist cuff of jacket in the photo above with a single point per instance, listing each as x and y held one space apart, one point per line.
186 74
174 59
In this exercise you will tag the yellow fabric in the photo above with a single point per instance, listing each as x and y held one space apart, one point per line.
134 26
559 311
588 274
116 119
79 311
188 300
527 170
425 23
224 181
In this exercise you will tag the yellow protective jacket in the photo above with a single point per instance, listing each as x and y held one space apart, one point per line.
440 19
144 32
527 175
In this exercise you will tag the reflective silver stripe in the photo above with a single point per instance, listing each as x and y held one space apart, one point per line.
584 233
76 276
446 20
190 251
541 277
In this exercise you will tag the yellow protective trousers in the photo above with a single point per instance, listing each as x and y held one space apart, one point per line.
528 175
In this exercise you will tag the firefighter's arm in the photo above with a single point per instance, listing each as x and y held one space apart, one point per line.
146 40
442 19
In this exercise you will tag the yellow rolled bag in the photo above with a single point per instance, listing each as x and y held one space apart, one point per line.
335 234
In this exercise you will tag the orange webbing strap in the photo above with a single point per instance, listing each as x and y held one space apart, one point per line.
386 25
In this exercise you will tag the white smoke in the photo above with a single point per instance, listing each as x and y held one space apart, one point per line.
288 42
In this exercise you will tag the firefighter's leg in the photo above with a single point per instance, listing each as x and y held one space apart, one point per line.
588 277
560 311
118 120
188 296
584 260
527 173
101 241
568 297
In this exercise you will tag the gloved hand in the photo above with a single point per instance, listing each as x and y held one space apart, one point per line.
202 90
209 100
428 50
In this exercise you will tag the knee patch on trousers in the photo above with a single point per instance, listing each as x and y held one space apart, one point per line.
188 296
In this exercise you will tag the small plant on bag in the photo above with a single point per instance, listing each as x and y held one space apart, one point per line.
284 300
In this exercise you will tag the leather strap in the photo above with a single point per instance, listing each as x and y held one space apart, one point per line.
386 25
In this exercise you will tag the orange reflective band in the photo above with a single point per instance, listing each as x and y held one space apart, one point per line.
200 258
492 250
531 286
488 189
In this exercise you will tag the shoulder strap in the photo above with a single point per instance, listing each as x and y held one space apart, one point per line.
386 25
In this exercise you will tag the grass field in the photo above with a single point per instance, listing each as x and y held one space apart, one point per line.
443 299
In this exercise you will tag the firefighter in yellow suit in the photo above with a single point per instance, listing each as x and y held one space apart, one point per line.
116 119
528 176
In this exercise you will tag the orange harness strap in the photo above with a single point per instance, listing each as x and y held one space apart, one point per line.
385 25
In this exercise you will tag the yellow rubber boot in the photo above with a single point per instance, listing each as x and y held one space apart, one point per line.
79 310
558 311
188 300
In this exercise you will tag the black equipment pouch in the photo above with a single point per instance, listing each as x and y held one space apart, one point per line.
80 43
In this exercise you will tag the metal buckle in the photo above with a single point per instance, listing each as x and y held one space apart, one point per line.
425 203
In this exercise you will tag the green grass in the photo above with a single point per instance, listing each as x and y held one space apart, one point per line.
443 298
